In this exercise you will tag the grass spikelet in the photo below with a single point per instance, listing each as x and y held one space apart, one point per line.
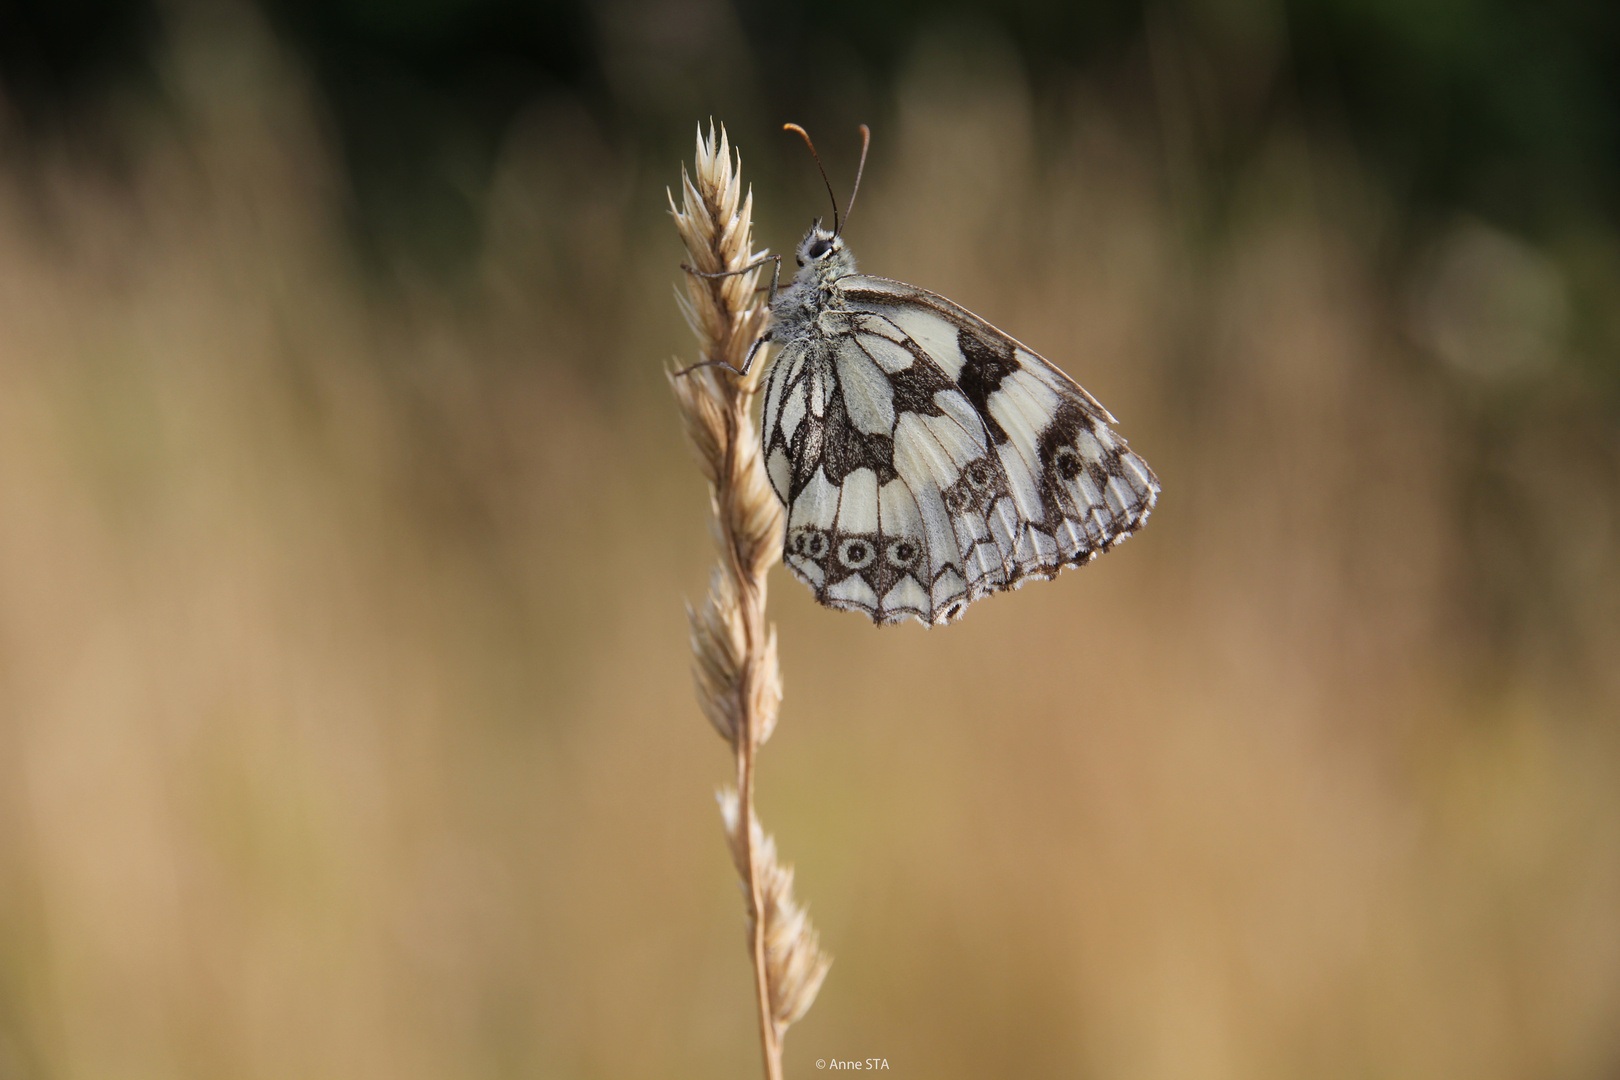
739 686
793 957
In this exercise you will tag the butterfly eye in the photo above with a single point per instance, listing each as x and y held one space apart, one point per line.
818 249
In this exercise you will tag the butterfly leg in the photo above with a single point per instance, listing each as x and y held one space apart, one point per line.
776 275
748 361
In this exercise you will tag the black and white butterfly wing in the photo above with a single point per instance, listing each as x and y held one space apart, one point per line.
927 459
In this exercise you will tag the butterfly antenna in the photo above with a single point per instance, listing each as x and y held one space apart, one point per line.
866 144
805 135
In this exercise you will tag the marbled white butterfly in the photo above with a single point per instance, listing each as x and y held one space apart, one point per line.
927 459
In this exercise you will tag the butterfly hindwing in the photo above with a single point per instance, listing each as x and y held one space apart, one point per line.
927 459
855 532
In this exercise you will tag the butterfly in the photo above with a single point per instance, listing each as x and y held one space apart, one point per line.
927 459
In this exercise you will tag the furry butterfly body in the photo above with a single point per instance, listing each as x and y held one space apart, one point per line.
927 459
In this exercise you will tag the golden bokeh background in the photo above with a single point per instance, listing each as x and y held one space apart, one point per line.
345 718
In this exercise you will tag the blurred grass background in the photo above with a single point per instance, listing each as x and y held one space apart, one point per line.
345 724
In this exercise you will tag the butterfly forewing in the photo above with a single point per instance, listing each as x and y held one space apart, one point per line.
927 459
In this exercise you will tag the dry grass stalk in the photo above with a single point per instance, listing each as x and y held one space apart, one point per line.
738 683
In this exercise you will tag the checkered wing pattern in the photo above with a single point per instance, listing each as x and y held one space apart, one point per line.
927 459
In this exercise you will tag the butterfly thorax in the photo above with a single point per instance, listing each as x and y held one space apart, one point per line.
823 259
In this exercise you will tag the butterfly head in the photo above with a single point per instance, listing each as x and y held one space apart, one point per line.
822 254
